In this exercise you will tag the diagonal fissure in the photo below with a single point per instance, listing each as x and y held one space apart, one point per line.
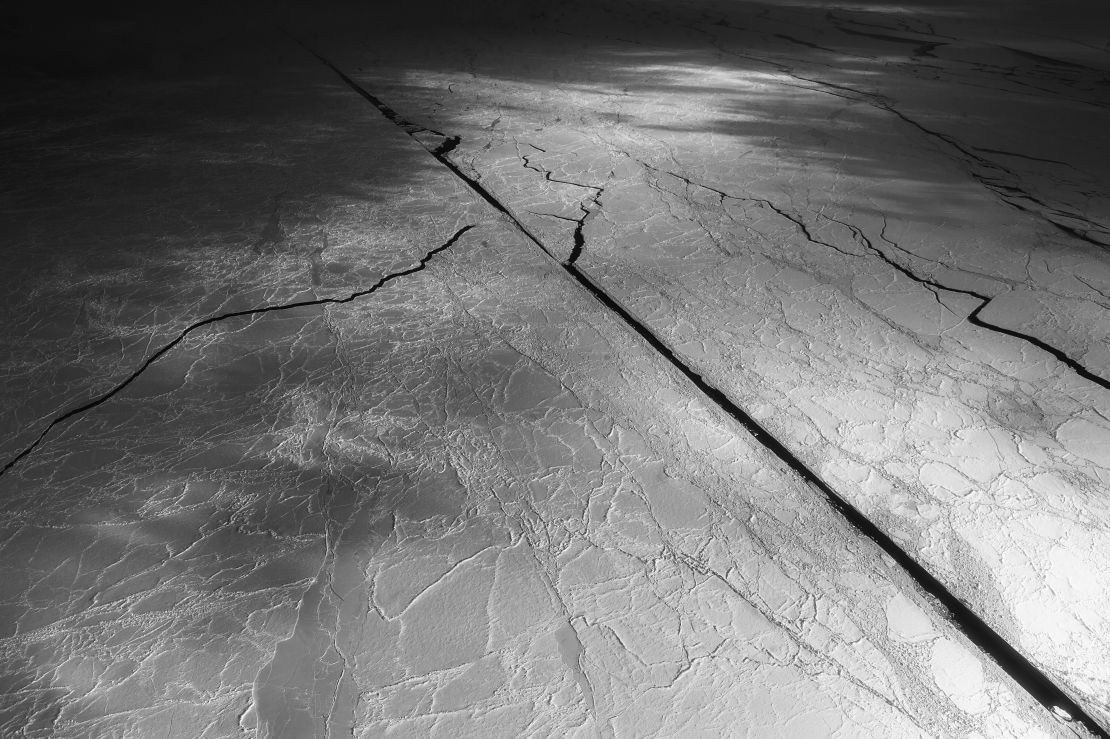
74 412
1010 194
861 238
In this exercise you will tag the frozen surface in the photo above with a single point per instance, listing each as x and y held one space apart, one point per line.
310 432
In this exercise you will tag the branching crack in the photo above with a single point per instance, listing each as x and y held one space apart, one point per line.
973 317
858 235
977 631
723 196
1011 194
70 414
587 208
547 174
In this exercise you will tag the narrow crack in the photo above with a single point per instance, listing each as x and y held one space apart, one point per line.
973 317
723 196
901 25
1006 193
547 174
1009 194
70 414
811 45
1023 156
857 233
587 208
1016 665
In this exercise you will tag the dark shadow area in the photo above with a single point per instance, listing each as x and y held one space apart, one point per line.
181 511
137 202
168 170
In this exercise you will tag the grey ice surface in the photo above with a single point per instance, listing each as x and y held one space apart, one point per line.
487 371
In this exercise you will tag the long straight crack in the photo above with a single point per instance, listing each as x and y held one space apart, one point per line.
1016 665
70 414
